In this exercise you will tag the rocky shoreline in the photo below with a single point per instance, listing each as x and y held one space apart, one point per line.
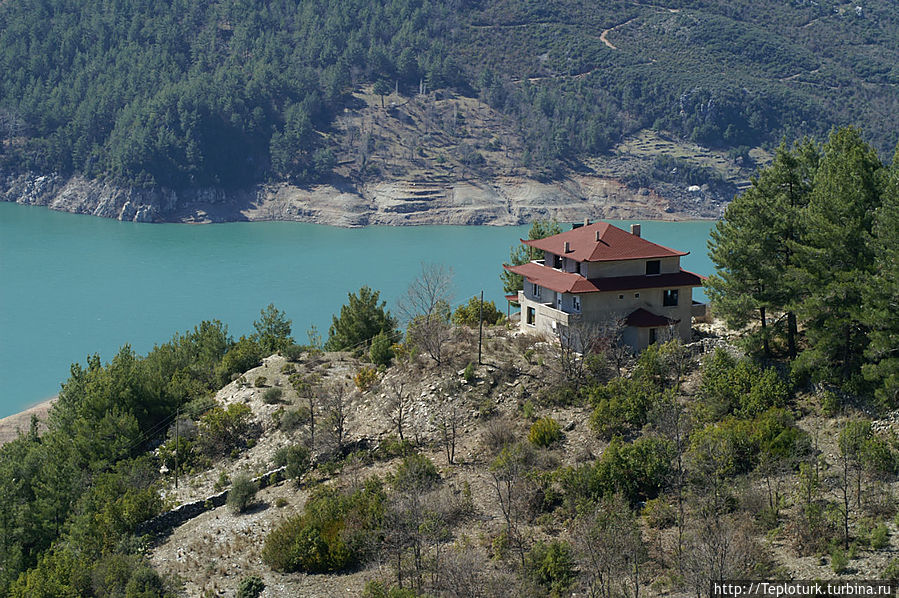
500 201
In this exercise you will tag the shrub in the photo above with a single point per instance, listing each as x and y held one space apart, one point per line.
250 587
467 313
332 533
243 493
381 351
552 565
731 385
293 352
365 378
287 369
636 470
416 472
375 589
221 430
293 418
891 571
544 432
528 410
880 537
298 460
272 396
244 355
260 382
498 435
659 514
468 373
839 561
621 406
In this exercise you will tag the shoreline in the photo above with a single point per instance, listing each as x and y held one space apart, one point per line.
497 201
12 425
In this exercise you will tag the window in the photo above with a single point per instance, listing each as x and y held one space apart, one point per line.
557 262
653 266
653 335
669 297
536 290
621 296
576 302
578 267
636 295
530 316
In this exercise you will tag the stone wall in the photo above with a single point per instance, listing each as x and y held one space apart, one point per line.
163 524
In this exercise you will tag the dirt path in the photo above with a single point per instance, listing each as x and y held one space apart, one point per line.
605 40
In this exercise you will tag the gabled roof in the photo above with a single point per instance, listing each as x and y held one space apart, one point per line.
640 318
613 244
569 282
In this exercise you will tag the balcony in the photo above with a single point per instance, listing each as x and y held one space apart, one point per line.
546 310
698 310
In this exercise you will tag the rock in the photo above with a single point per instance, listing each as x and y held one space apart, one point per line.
569 426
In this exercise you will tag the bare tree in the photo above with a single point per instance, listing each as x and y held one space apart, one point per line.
308 392
399 402
582 346
426 308
610 549
719 549
336 402
514 491
448 421
673 420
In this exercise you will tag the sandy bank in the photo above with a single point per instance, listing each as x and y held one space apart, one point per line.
11 425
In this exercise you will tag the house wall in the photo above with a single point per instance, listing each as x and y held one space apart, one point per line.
544 316
667 265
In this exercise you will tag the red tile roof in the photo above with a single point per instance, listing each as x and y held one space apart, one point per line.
614 244
641 318
569 282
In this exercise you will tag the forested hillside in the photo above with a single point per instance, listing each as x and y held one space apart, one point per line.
228 93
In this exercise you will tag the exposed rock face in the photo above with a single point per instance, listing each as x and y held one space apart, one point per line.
501 201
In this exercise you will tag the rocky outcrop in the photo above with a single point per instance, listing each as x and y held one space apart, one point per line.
501 201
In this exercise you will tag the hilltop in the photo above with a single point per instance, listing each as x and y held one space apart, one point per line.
360 112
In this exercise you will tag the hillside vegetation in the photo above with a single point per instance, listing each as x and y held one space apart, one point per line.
229 94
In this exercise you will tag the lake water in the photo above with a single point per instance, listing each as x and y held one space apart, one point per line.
73 285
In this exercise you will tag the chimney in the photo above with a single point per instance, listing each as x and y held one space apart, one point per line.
597 235
586 222
635 230
567 246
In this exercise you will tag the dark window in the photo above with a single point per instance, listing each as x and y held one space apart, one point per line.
669 297
653 266
653 335
557 261
578 267
537 291
530 316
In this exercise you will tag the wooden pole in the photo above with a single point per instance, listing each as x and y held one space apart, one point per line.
480 326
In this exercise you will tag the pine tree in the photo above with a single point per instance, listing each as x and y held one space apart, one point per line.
837 256
882 315
522 254
753 247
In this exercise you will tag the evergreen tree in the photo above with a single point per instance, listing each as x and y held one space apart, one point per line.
753 247
522 254
882 316
360 320
837 256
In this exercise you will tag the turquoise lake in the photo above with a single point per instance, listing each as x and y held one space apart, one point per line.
74 285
